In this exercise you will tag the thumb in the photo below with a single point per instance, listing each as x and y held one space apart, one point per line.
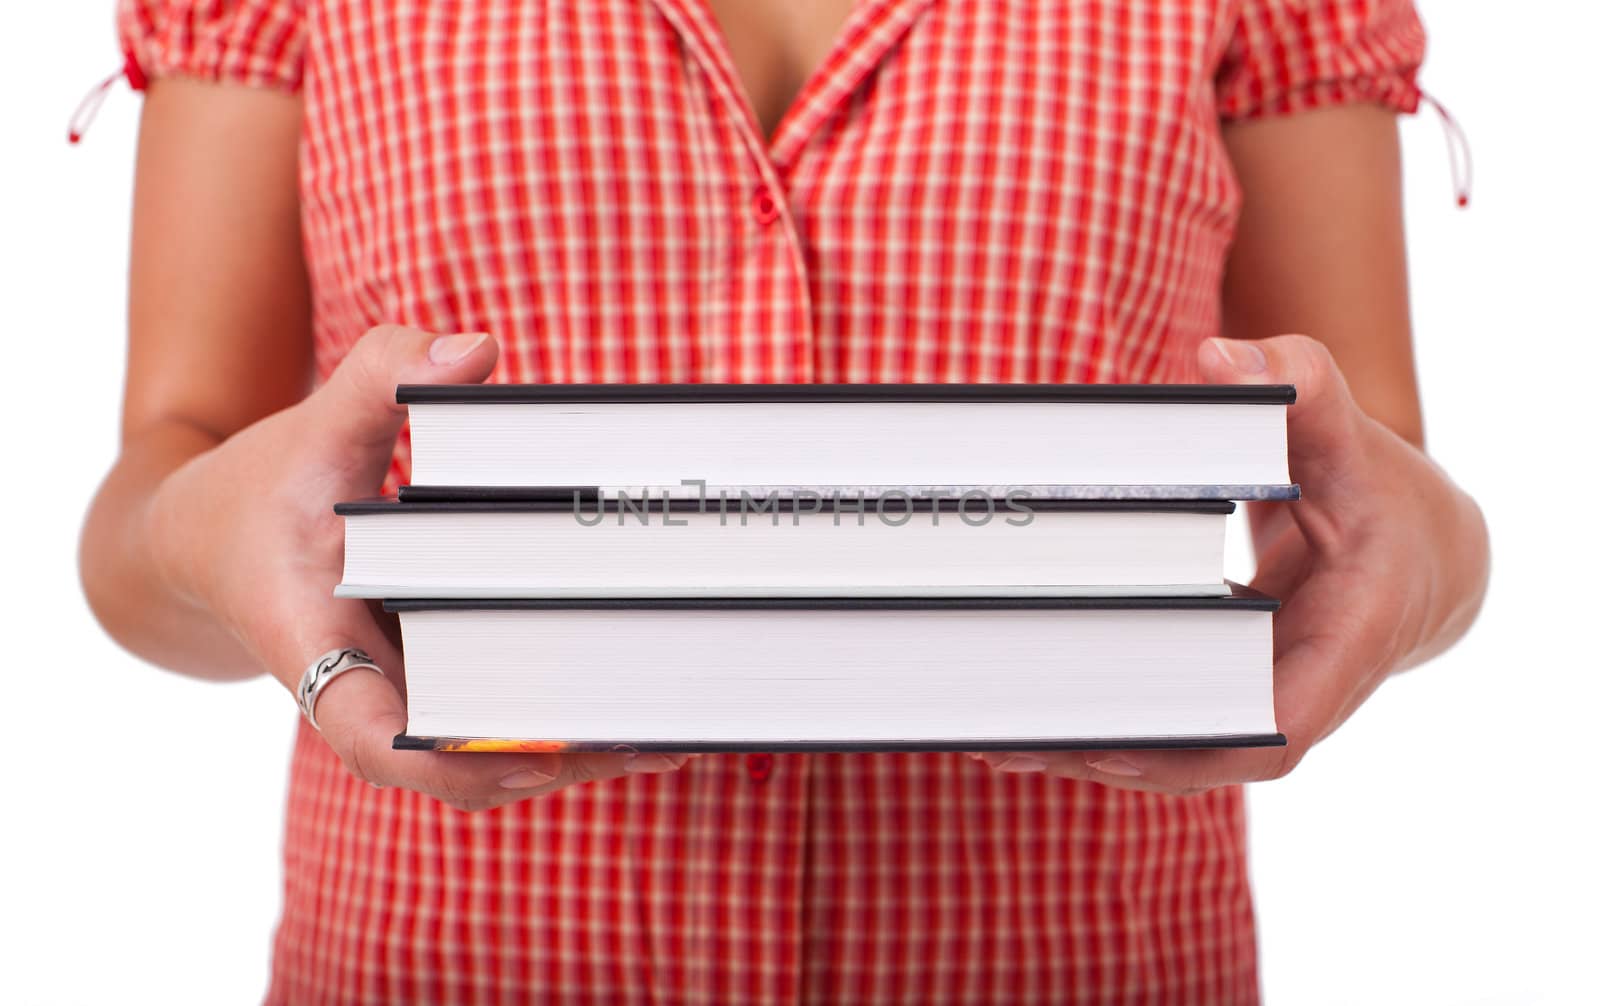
356 408
1326 456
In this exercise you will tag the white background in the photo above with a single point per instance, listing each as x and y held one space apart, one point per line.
1439 849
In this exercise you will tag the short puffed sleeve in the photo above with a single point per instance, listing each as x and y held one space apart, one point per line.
260 43
1288 55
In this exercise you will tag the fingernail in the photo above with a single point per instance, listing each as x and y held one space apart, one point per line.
1116 766
1020 763
528 778
645 764
448 349
1245 357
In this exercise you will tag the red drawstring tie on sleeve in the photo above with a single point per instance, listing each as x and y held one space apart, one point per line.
1455 140
89 107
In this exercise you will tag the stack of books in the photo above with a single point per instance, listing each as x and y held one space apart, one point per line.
705 568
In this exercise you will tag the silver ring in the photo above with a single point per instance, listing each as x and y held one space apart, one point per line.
323 670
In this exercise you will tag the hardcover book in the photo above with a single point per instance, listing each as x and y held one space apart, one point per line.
839 674
781 547
1075 441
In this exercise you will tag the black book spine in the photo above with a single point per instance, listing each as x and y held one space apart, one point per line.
1172 394
409 742
439 499
559 495
1241 599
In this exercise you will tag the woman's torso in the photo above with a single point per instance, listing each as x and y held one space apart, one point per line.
962 191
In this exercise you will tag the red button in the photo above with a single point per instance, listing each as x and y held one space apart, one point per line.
766 207
758 766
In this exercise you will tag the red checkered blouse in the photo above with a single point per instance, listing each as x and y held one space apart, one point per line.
965 190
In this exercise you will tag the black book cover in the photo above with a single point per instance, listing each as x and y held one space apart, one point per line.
506 745
562 501
1138 496
1240 599
498 494
1171 394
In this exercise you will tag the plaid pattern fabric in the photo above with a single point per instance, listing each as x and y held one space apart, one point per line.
965 190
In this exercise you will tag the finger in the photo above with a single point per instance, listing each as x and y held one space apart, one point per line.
1173 773
1283 562
357 708
477 781
360 713
1328 664
1310 701
356 408
472 781
1325 451
1120 769
574 769
1186 772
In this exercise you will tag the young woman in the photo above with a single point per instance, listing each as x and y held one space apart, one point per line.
334 198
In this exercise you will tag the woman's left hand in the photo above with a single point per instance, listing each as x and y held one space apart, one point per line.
1381 564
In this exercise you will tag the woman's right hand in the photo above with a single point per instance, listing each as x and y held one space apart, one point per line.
246 532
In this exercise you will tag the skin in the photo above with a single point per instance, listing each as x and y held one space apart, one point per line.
775 45
211 548
1383 563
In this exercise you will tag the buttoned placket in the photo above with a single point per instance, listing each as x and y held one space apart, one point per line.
865 38
868 34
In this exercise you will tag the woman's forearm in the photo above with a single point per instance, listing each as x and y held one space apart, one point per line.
121 566
218 338
1459 581
1320 249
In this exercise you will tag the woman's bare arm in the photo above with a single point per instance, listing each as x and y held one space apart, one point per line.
1321 249
212 547
218 337
1384 562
